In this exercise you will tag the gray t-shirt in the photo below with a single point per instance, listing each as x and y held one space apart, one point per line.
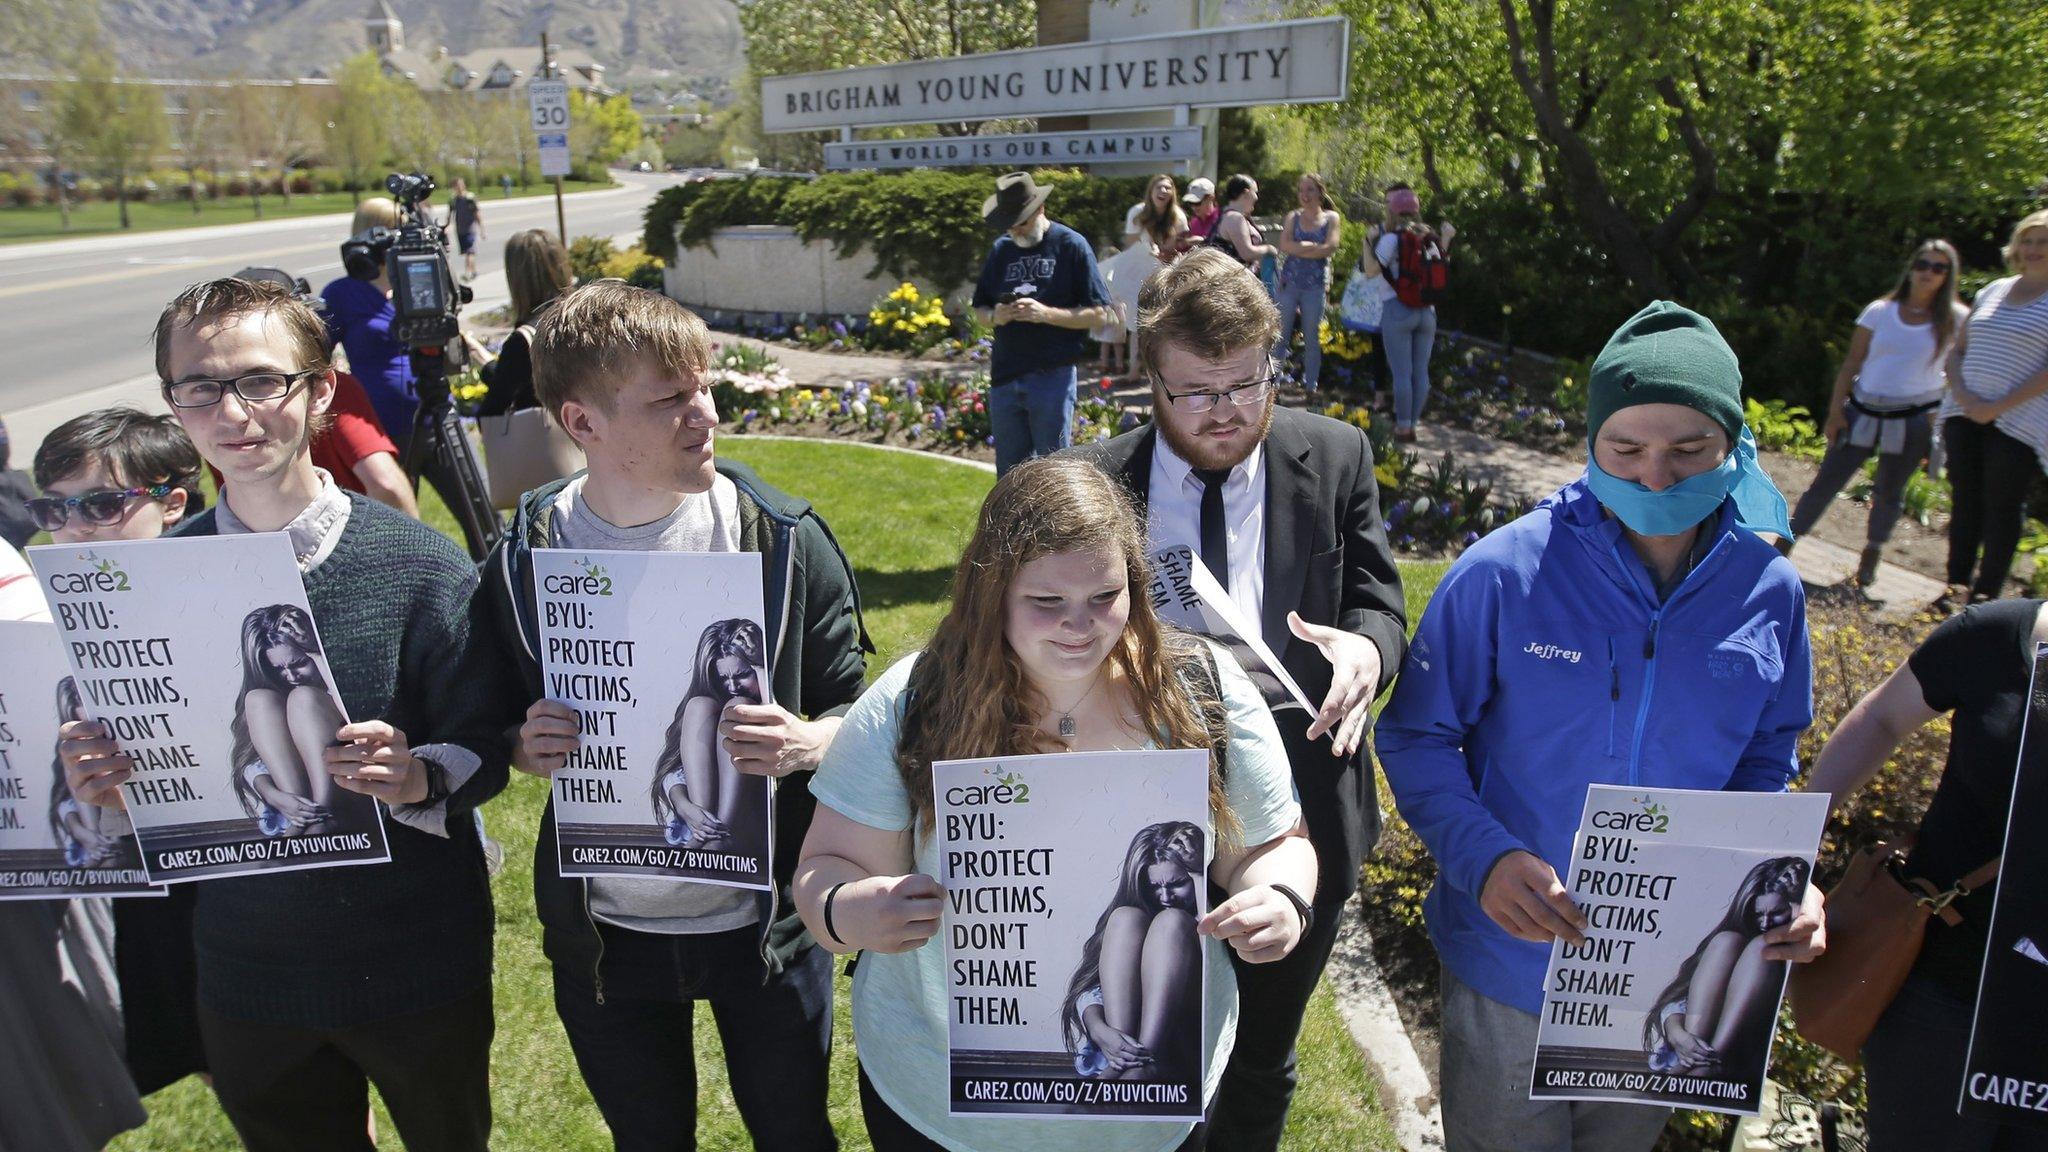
705 522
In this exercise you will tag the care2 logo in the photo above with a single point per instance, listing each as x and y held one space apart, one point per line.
106 576
1651 819
592 580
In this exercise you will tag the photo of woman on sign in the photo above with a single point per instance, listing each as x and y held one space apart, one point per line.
1715 1017
284 720
1133 1009
91 836
698 795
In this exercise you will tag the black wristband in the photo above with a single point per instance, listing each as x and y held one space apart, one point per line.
1307 911
832 894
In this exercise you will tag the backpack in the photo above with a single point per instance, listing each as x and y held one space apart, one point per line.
1422 273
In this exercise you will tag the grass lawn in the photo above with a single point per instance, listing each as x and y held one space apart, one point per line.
902 519
103 217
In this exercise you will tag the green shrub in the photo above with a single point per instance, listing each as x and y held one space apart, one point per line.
589 255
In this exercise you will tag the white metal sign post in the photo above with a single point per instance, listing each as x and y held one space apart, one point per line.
548 105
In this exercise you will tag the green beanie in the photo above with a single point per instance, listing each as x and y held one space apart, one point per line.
1666 354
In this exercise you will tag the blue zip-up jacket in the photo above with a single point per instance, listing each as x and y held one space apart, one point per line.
1545 663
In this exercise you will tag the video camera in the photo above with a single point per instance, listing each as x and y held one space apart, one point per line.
414 259
425 299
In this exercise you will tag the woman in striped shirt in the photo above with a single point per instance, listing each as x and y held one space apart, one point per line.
1995 420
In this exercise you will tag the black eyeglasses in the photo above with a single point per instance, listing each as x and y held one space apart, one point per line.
1248 393
255 388
1929 266
105 506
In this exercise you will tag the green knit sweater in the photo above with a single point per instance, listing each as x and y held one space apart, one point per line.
333 947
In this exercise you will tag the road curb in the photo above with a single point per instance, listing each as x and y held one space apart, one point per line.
1367 1008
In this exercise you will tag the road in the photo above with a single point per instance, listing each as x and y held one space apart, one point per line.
76 316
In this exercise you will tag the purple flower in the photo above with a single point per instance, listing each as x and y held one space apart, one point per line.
839 328
1500 381
1471 538
749 416
1129 421
989 440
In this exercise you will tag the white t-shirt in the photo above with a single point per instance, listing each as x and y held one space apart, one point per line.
1903 366
20 597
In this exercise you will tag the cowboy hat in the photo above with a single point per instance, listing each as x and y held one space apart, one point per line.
1016 198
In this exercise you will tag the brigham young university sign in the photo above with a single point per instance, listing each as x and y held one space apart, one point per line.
1287 62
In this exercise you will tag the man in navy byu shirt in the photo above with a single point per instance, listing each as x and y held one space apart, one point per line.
1041 291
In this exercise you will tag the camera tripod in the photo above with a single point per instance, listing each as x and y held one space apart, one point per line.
440 452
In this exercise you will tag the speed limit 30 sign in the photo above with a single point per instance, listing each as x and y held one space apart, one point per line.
548 103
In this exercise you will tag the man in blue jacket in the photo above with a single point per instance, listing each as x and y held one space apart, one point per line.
1632 629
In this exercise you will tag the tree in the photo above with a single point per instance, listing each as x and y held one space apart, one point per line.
119 126
1629 120
271 119
196 128
358 132
418 129
601 131
787 36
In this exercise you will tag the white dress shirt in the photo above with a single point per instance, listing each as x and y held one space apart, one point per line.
1175 518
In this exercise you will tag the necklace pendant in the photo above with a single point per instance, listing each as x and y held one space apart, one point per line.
1067 726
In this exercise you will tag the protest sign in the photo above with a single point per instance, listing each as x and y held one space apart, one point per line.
1669 999
2005 1077
50 844
647 648
1185 594
1074 977
202 659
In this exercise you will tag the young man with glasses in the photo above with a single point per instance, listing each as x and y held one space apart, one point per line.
312 984
1282 508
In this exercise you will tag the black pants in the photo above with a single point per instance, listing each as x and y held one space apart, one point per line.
306 1089
1989 473
888 1132
1912 1064
1342 811
639 1060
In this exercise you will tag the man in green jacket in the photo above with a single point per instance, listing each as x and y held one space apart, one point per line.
623 371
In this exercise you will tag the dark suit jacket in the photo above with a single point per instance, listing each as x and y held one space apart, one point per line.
1326 558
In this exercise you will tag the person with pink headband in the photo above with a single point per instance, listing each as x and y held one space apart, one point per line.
1413 263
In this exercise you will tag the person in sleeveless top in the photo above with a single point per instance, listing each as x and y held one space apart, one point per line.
1308 237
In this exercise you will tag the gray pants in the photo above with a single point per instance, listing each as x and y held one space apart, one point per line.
1887 497
1489 1055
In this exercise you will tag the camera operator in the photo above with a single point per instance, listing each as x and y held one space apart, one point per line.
359 317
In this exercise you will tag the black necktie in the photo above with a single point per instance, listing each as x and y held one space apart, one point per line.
1215 543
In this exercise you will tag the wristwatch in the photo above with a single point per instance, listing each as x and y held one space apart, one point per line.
1308 914
437 781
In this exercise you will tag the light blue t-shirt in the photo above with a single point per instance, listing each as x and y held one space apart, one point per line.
899 1002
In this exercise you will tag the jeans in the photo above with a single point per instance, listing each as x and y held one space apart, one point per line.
1913 1072
1887 498
1410 333
1989 473
1308 299
1489 1055
289 1089
1033 415
637 1056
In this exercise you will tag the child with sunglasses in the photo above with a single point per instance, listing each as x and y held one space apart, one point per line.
115 474
121 474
